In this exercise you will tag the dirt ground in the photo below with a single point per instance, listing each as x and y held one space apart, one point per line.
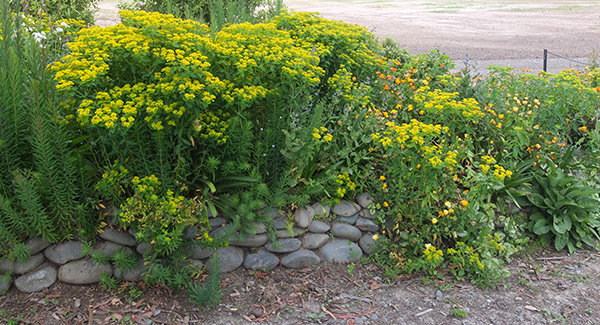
545 288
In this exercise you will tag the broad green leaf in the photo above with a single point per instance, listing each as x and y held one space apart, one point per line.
561 241
542 226
562 224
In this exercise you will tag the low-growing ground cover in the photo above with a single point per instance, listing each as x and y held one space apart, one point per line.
171 121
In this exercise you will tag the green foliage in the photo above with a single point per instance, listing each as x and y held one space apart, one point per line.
57 9
210 293
567 211
40 188
392 51
214 12
108 282
458 313
124 260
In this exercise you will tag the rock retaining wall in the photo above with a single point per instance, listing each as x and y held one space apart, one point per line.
341 234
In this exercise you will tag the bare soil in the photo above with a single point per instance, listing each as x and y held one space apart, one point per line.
546 287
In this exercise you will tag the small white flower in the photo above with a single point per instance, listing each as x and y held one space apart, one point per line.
64 24
59 30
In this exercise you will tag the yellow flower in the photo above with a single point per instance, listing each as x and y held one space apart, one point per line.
382 178
328 137
464 203
375 237
385 204
316 136
583 128
384 186
434 221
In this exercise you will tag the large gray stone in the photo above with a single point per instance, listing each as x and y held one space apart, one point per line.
31 263
300 259
83 271
36 245
198 252
286 245
274 213
367 244
259 228
364 200
365 224
7 266
107 247
349 220
216 222
341 251
304 216
118 237
250 241
366 213
223 232
319 227
230 258
64 252
36 280
286 234
261 261
5 283
132 275
142 248
346 231
278 223
314 241
321 211
346 208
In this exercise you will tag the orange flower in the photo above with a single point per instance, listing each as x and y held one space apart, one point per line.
583 128
386 87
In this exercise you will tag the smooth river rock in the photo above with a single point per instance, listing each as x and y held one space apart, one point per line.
341 251
261 261
36 280
83 271
64 252
300 259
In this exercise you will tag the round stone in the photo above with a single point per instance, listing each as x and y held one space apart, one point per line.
314 241
83 271
346 208
346 231
341 251
304 216
300 259
31 263
36 280
367 244
365 224
349 220
286 245
64 252
198 252
36 245
321 211
250 241
364 200
261 261
230 258
319 227
118 237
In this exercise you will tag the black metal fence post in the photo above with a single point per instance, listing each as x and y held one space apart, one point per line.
545 60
